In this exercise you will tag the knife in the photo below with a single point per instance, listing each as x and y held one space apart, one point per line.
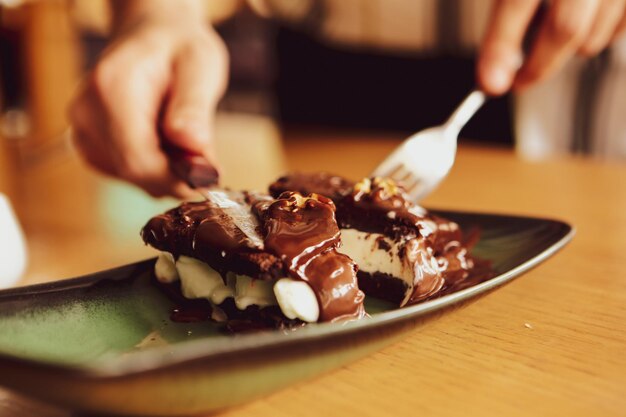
200 175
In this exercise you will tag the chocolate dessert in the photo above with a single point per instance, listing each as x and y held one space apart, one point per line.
281 268
292 257
404 254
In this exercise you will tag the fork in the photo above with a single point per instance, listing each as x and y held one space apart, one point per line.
424 159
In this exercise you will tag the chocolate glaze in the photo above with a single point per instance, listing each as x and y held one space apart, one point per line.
300 240
322 183
433 246
428 278
304 233
203 231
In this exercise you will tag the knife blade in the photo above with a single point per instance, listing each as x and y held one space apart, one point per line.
200 175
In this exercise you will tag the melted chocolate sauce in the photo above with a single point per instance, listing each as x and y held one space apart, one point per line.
192 313
186 310
428 278
322 183
304 233
204 231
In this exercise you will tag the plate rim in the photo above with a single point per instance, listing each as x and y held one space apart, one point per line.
134 363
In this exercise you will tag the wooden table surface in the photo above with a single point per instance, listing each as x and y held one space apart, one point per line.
552 342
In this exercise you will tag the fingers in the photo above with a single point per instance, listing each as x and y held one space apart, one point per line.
604 27
159 69
501 52
84 134
569 27
562 32
198 83
114 120
621 27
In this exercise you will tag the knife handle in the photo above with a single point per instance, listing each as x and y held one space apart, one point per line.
192 168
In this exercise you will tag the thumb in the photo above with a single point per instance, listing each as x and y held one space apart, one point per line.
501 51
196 87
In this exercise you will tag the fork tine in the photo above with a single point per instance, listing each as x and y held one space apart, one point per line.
393 171
400 174
412 186
412 163
406 177
403 176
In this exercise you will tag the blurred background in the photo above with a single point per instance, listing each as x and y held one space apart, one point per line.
299 68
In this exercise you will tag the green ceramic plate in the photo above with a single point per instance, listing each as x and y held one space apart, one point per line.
104 343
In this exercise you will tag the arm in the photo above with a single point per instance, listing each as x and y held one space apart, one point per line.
160 79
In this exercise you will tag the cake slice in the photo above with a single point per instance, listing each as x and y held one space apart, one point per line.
290 273
404 254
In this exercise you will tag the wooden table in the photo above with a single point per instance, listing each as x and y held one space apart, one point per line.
553 342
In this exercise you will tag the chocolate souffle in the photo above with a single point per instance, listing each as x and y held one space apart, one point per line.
291 257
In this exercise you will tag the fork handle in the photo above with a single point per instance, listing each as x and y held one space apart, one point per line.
468 107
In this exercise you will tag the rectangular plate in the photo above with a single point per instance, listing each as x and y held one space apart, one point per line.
104 342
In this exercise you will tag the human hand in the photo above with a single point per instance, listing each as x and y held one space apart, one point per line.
160 79
568 27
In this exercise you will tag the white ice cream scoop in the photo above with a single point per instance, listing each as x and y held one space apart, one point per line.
12 245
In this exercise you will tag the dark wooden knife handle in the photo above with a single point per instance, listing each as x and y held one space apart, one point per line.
192 168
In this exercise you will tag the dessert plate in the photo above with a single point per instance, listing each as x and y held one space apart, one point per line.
104 343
